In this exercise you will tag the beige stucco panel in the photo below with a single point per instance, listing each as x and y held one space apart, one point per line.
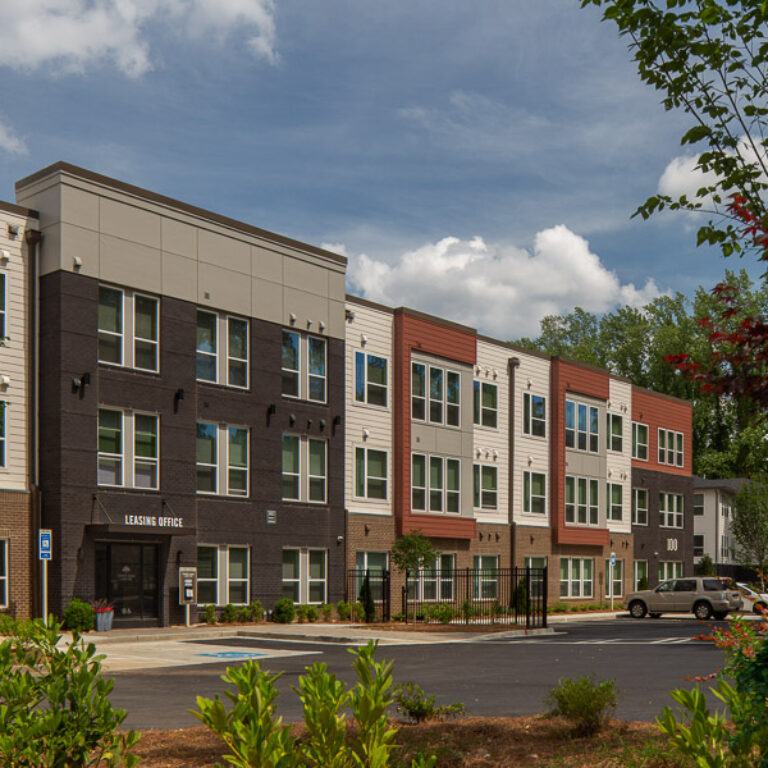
267 300
306 277
336 324
310 310
336 286
79 208
126 263
179 276
179 238
46 200
84 243
267 264
129 223
227 290
225 252
49 249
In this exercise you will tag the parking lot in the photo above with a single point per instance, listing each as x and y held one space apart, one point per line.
490 674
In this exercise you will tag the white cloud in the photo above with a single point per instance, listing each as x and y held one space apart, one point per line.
500 289
71 36
10 142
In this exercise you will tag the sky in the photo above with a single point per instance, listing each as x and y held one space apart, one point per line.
479 161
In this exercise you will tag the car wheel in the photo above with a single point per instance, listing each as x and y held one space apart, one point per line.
637 609
757 606
702 610
655 615
720 615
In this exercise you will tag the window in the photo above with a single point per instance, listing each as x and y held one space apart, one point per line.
640 574
639 441
486 576
434 581
582 430
3 573
373 565
670 510
725 547
316 378
290 364
304 469
3 406
639 506
534 415
535 493
725 507
486 404
615 432
370 473
370 379
231 561
116 344
670 447
614 588
128 450
444 490
576 577
581 501
444 405
698 545
314 386
3 323
615 496
537 581
305 575
222 459
221 332
485 482
698 504
670 570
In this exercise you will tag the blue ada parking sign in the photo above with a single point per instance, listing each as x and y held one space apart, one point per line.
46 544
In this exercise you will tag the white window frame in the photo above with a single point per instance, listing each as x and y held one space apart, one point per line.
700 546
305 443
303 376
364 450
429 489
674 517
152 461
677 451
209 579
294 373
304 582
610 418
698 504
587 432
485 586
529 420
591 505
442 400
570 581
230 358
618 578
636 444
363 385
670 569
222 466
317 376
310 477
432 585
610 506
636 508
223 579
127 336
479 410
108 456
636 577
416 397
529 496
478 493
4 578
291 474
239 580
221 355
725 547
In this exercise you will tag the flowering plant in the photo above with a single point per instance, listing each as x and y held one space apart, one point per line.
102 606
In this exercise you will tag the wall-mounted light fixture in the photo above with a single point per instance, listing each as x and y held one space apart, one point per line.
82 382
321 325
292 318
77 263
366 433
349 315
323 424
291 418
13 231
363 339
271 411
178 396
5 380
4 255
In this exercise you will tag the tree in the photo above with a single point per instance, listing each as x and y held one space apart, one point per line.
749 527
710 59
412 551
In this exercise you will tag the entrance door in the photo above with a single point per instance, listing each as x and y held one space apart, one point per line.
126 574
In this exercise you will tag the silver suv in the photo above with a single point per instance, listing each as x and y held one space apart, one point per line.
703 596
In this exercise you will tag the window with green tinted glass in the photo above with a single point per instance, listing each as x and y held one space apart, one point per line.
207 458
318 471
316 374
110 333
237 582
370 473
291 467
145 455
110 458
207 355
535 493
145 332
237 352
290 364
207 575
485 482
237 476
370 379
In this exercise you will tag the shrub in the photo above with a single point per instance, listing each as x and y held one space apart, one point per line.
78 616
585 703
558 608
441 612
209 614
520 598
344 610
644 583
358 612
327 610
468 610
411 701
242 614
56 709
301 613
284 611
229 614
366 598
311 613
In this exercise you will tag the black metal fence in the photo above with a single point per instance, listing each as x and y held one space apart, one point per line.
371 589
516 596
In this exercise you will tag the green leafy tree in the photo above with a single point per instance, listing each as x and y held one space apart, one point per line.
749 526
710 60
412 551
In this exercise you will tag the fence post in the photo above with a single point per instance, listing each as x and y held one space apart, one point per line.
527 598
404 603
470 603
544 591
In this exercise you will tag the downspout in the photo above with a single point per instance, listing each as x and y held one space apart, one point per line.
512 364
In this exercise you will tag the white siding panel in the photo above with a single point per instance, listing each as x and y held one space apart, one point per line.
619 465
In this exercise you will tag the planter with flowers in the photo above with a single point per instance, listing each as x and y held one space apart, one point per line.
105 613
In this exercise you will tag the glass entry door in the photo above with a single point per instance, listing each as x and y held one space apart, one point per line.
126 575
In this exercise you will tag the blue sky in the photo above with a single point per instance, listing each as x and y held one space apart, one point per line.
476 160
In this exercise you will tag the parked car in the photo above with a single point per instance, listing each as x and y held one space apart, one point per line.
753 600
701 595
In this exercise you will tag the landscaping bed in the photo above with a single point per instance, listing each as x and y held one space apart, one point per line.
474 742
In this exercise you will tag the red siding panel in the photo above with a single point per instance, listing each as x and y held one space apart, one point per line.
661 412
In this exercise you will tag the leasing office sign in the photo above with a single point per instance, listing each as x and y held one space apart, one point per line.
153 521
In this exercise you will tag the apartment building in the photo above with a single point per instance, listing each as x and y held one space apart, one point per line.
662 475
191 402
713 502
18 501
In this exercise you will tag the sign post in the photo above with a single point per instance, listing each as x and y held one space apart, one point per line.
45 553
187 589
613 565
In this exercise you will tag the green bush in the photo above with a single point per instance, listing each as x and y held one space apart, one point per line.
327 610
441 613
242 614
358 612
255 610
411 702
585 703
228 614
301 613
468 610
311 613
558 608
644 583
284 611
55 702
344 610
366 599
79 616
209 614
